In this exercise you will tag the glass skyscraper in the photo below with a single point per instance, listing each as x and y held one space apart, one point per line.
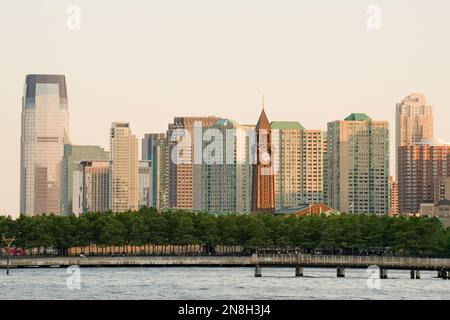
45 130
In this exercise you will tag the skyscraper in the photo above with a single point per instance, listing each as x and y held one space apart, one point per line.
154 149
73 154
124 179
358 165
414 122
263 184
224 183
181 158
300 175
45 130
288 178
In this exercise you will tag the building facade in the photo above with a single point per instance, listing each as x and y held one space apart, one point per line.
124 171
420 167
91 187
358 165
145 184
225 181
73 154
182 153
154 149
45 130
393 194
414 121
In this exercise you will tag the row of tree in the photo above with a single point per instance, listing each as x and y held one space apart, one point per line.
405 235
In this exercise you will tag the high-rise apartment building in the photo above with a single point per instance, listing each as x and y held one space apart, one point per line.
313 153
414 121
421 166
224 182
124 168
358 165
393 194
288 177
154 149
181 157
73 154
90 187
145 183
45 130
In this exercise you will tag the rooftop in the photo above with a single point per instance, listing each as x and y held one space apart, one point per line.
286 125
358 117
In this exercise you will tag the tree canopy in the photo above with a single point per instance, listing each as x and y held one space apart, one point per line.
406 235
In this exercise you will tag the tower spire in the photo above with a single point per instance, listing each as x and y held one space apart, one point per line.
263 102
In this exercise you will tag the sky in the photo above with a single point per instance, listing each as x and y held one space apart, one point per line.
146 62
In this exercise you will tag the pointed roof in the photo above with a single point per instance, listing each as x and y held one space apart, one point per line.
263 122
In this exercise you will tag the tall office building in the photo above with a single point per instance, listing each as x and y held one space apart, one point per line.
73 154
421 166
358 165
263 182
181 155
224 183
154 149
414 121
45 130
145 183
90 191
124 166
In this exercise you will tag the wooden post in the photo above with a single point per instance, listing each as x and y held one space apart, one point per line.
340 272
417 274
258 271
298 271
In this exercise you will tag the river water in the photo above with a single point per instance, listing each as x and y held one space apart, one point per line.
215 283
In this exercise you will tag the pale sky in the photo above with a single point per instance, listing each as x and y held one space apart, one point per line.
147 61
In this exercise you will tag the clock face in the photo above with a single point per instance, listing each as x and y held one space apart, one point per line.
265 158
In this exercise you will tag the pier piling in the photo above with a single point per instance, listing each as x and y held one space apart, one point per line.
258 271
298 271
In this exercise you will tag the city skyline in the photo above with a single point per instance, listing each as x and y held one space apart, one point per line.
187 69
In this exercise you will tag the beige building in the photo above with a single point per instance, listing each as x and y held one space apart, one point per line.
181 156
124 168
414 121
393 194
300 162
91 187
358 165
440 210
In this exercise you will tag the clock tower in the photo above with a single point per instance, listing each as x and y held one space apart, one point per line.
263 183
